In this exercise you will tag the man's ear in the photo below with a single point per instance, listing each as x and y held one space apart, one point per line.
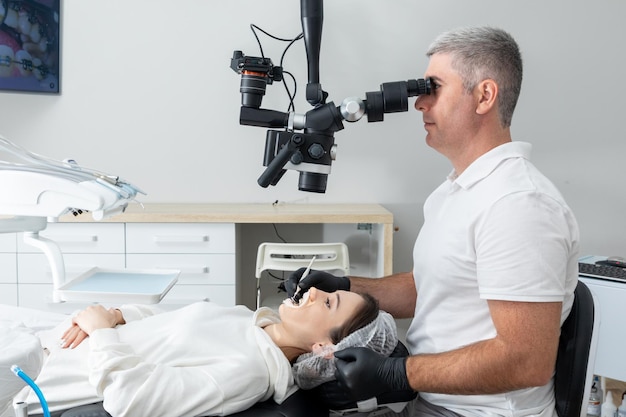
324 349
487 93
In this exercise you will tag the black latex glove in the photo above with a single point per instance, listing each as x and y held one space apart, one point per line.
318 279
367 374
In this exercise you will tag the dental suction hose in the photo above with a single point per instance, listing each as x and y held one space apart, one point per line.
44 404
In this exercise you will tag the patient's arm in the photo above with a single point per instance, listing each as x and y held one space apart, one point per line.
75 335
92 318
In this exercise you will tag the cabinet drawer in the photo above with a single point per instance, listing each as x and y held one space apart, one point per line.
8 263
8 294
35 295
8 242
195 269
34 268
187 294
180 238
82 238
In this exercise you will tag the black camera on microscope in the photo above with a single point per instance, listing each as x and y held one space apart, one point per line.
256 73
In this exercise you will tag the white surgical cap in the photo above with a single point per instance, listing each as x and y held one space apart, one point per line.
311 369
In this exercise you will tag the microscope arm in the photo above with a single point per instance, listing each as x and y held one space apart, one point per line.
312 18
251 116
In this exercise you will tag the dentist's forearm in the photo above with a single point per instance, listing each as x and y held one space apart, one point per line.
395 293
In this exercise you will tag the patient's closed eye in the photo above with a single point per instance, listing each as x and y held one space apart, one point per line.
327 302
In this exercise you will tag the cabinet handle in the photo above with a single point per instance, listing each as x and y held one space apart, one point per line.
190 270
181 239
73 238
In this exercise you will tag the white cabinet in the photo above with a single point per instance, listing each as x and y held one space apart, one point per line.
611 308
203 252
198 239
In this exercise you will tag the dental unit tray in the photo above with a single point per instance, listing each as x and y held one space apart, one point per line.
37 190
141 286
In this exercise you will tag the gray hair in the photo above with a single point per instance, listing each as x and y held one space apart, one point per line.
480 53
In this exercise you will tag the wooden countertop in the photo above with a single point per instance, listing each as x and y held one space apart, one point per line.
246 213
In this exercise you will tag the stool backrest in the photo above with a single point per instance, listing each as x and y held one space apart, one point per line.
293 256
576 356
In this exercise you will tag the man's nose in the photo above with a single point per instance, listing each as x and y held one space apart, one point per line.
420 103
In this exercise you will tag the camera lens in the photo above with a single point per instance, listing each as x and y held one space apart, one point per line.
312 182
252 89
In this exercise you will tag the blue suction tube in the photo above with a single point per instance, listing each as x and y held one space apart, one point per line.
44 404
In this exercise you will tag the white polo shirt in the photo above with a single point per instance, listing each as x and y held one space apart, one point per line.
501 231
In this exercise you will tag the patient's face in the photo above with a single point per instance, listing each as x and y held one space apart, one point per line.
318 313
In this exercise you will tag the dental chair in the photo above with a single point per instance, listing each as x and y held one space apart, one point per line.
329 399
573 378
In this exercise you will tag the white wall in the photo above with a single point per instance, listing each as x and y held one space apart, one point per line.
147 93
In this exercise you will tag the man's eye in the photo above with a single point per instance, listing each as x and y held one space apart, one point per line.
327 302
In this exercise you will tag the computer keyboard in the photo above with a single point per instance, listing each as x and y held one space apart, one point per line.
612 273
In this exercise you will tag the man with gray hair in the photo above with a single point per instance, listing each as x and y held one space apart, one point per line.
495 262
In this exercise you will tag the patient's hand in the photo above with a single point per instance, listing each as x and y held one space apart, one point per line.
73 337
92 318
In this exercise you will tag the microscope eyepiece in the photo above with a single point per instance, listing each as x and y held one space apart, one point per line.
393 97
418 87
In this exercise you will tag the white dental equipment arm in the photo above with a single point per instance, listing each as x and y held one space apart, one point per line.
36 190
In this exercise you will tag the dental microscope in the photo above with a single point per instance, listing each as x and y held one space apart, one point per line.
306 142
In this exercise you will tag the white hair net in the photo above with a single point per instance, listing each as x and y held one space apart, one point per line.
313 369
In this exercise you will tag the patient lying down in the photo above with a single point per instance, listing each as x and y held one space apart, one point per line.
203 359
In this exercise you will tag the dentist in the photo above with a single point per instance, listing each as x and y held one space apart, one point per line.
495 262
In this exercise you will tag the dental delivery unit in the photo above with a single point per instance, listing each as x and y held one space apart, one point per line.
37 190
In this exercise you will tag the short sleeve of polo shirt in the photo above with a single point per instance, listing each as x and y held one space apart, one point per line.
523 248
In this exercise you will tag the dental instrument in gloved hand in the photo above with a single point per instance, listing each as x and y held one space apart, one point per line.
367 374
296 285
298 295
